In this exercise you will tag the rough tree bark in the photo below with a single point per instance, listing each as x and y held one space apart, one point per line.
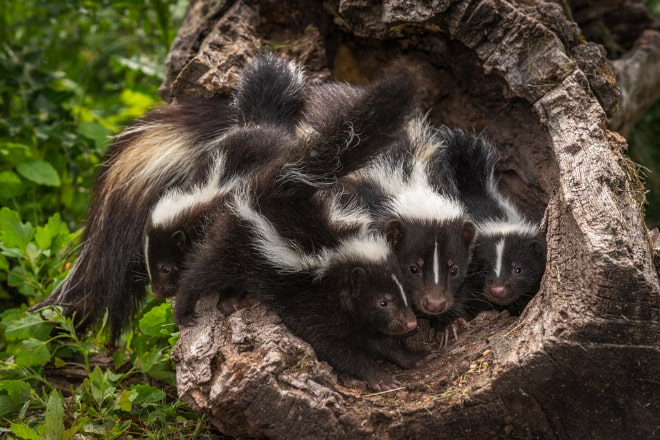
583 360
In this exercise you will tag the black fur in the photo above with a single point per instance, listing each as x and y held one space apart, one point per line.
471 160
347 306
412 233
109 273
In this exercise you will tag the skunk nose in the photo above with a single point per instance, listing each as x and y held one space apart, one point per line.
432 305
497 291
411 325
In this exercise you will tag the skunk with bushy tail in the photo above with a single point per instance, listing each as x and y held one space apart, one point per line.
173 147
510 255
270 93
334 283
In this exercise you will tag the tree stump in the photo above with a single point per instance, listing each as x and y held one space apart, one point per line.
583 360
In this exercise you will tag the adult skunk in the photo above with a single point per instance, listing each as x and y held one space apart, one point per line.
270 93
510 255
173 147
333 283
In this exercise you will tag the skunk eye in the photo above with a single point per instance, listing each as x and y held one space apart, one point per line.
383 303
414 269
517 269
165 269
454 271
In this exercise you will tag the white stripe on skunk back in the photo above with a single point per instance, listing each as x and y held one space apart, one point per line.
286 255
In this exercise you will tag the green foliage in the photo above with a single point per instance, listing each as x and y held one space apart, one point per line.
72 73
108 403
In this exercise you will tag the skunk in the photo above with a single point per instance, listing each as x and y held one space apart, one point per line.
176 223
333 282
428 228
270 93
171 148
510 254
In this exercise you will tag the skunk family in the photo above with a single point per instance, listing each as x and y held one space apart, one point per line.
427 227
270 93
334 283
510 255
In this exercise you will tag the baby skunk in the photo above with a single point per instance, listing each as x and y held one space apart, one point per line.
510 255
429 231
177 222
171 147
270 93
337 288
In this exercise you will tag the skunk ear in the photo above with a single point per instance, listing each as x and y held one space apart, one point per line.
358 278
394 231
538 246
469 233
179 238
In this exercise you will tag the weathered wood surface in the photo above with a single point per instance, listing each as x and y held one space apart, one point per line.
583 360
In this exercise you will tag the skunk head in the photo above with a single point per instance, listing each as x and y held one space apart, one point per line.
434 259
433 240
165 251
373 292
511 259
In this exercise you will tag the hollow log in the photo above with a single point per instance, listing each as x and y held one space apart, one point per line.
583 359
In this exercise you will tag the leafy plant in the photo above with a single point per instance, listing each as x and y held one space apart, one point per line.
72 73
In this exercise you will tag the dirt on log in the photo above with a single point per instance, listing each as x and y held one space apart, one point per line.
583 360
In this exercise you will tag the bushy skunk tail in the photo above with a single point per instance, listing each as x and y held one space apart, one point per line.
172 147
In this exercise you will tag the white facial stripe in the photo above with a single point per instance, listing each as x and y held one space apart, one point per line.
499 250
436 263
146 255
403 294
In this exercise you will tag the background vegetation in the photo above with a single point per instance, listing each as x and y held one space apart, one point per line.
72 73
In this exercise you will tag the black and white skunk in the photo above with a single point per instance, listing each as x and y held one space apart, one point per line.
334 283
171 148
270 93
177 222
510 255
428 228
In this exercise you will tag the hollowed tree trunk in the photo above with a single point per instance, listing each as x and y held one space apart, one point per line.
583 360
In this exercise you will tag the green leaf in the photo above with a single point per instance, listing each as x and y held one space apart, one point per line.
10 185
45 234
14 153
13 394
96 131
125 403
13 232
147 394
31 325
54 416
157 320
24 431
39 171
33 353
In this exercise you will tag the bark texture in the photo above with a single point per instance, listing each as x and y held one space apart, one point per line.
583 360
